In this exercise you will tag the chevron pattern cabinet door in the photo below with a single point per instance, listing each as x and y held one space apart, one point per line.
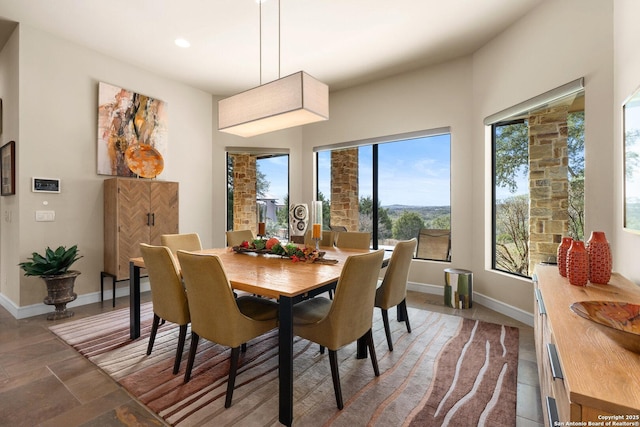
135 211
164 210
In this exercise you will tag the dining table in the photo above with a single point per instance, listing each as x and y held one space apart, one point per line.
271 276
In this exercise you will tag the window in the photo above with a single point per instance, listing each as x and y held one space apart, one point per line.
258 187
391 187
538 183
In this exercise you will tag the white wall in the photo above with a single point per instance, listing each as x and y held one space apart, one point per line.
58 90
625 246
9 237
554 44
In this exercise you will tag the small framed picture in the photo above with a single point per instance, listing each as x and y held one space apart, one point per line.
8 169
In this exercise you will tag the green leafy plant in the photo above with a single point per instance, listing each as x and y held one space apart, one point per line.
52 263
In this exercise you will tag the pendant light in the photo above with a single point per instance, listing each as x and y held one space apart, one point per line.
294 100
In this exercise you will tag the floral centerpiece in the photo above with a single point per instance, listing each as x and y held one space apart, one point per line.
273 246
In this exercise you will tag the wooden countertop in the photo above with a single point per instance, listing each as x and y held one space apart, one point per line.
594 367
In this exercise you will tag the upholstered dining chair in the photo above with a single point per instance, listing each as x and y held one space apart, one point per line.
235 238
353 240
326 240
184 241
167 295
219 317
393 290
334 324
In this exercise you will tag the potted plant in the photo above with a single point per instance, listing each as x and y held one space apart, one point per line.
53 267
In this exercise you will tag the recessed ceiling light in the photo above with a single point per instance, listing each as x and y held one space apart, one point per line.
182 43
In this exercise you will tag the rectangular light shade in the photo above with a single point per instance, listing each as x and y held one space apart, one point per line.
294 100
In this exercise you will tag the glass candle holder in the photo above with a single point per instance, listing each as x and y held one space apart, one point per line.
316 220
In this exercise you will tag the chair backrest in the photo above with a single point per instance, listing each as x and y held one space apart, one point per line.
215 315
353 240
434 244
235 238
167 292
337 228
351 312
394 285
185 242
327 239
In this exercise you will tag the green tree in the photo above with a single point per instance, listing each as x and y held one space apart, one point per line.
326 210
575 144
366 218
441 222
512 154
283 214
407 226
512 234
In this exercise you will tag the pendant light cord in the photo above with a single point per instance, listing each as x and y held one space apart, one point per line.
260 38
279 39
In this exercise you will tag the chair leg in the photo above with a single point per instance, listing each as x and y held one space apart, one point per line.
335 375
181 339
405 313
243 347
387 329
154 330
321 349
192 356
233 370
372 353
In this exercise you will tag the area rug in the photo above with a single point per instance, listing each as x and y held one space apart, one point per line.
448 371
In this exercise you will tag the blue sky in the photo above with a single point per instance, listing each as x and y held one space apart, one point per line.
411 172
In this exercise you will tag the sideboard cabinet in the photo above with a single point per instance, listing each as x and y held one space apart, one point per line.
584 376
136 211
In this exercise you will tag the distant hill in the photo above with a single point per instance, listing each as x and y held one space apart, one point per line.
426 212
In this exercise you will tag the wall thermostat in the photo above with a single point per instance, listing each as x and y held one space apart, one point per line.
45 185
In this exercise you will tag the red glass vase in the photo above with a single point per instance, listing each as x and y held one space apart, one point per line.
600 262
563 248
578 264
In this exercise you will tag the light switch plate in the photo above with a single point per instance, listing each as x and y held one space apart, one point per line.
45 216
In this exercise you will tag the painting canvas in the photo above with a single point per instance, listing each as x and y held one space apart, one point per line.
8 169
132 133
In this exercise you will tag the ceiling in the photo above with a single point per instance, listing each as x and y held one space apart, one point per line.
340 42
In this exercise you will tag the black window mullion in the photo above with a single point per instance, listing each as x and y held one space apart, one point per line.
374 208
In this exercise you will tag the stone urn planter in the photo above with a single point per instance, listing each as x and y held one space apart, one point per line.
60 292
53 268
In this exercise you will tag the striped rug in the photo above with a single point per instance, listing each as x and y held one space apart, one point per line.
448 371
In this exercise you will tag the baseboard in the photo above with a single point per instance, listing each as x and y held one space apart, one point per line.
38 309
495 305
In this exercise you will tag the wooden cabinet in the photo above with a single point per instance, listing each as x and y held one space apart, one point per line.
584 376
135 211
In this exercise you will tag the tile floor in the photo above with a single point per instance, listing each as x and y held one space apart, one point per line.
44 382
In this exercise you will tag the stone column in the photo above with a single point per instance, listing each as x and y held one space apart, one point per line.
245 214
344 189
548 183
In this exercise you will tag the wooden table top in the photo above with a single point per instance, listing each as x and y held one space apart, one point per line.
274 276
594 367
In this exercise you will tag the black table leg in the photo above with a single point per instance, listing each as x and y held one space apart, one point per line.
134 301
285 356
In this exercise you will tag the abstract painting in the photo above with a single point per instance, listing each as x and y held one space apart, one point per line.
132 133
